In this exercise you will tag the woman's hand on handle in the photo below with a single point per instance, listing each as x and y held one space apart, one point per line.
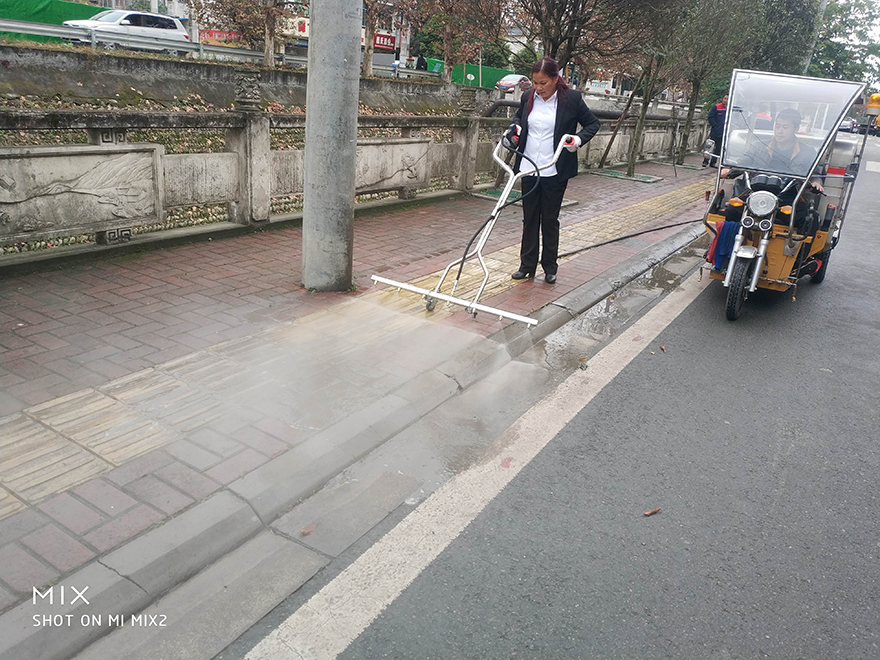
511 137
571 142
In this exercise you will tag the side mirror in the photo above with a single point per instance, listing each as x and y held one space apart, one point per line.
709 147
125 22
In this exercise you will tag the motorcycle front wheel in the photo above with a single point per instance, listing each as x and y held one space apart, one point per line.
739 287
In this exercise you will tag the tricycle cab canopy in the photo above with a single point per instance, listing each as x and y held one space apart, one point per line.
762 106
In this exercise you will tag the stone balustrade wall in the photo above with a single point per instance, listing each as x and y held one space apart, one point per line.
111 185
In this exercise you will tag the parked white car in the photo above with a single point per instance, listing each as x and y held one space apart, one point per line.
135 24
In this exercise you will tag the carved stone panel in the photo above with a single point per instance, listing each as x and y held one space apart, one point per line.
287 172
192 179
55 191
392 164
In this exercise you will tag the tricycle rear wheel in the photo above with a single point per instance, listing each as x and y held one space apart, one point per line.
819 275
738 290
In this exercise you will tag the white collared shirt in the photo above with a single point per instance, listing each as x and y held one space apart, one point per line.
542 126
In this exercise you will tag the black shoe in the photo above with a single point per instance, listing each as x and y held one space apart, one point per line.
522 274
550 278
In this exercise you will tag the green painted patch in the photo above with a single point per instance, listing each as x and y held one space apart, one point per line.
641 178
495 194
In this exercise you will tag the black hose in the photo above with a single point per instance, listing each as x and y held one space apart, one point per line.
496 213
622 238
564 254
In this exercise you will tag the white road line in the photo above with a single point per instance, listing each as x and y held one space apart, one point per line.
872 166
334 617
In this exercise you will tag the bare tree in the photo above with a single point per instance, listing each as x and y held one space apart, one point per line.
466 25
699 56
394 12
591 29
253 20
371 22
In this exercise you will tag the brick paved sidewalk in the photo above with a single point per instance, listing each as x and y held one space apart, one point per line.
132 389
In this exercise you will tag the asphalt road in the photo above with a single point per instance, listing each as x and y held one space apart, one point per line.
759 440
756 439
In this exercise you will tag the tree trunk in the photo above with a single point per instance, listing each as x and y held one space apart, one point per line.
820 13
647 96
621 119
371 20
369 38
269 36
692 107
448 43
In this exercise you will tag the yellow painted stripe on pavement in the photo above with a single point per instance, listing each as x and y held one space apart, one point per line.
38 462
103 425
9 504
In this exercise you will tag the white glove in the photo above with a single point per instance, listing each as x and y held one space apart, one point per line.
571 142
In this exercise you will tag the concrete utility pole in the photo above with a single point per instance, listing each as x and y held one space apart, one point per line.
331 144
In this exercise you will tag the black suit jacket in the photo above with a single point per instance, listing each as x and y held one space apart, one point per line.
570 111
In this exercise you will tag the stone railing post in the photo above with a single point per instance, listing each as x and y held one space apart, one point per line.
464 170
252 145
467 101
408 132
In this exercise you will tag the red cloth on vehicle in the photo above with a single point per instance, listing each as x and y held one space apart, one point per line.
710 255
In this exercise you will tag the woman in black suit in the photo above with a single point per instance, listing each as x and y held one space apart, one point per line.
547 114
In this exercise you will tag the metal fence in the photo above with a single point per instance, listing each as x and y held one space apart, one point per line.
97 38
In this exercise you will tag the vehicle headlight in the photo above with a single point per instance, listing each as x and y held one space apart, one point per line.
762 203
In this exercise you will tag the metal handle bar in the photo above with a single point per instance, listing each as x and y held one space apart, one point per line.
496 155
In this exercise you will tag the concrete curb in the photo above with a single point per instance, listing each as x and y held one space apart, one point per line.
111 593
519 339
136 574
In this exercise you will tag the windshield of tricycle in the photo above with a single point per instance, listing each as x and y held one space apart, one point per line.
781 124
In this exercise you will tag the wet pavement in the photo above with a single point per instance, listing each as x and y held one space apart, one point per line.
161 409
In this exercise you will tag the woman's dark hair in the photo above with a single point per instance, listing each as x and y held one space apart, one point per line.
550 68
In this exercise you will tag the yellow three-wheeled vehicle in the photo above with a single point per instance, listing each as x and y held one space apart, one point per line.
784 181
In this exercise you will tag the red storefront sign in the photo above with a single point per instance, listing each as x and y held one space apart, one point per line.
384 41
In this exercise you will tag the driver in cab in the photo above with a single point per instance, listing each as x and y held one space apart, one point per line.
784 153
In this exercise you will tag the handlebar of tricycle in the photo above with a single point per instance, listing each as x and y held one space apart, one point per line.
534 169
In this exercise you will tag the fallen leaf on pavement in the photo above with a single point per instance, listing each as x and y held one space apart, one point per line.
663 348
305 531
652 511
506 462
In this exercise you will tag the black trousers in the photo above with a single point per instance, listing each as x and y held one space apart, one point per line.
541 221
